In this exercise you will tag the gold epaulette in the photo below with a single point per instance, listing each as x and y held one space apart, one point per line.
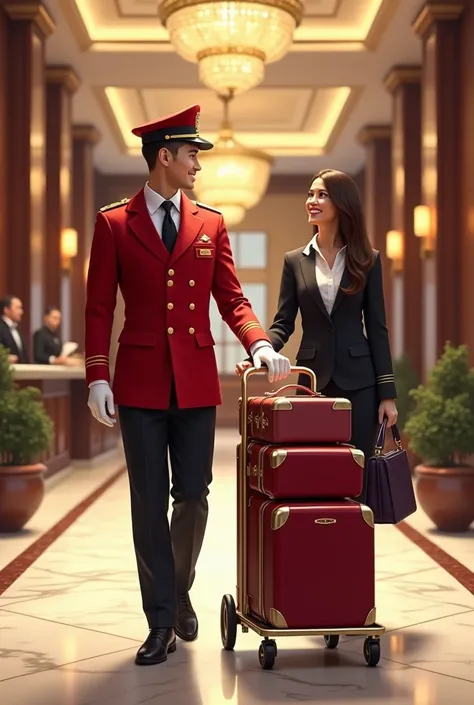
117 204
209 208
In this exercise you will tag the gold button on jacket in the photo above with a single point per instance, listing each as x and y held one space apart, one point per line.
192 307
191 330
170 282
170 306
171 272
192 282
171 331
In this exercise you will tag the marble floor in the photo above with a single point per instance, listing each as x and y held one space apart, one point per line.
71 622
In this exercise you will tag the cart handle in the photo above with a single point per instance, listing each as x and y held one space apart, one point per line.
293 386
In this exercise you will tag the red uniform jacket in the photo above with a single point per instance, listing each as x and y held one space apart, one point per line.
167 330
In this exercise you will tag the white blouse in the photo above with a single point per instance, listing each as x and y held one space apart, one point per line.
328 279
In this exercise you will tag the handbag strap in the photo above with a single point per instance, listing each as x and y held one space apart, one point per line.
380 442
292 386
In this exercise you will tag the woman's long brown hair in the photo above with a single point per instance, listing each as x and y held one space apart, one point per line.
345 196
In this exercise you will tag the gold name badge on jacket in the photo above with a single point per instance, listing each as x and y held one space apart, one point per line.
204 251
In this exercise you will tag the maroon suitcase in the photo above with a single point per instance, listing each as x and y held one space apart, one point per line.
299 472
311 566
309 418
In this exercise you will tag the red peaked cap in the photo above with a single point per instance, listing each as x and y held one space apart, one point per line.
181 127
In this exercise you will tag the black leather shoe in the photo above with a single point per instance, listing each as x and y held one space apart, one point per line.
160 642
186 623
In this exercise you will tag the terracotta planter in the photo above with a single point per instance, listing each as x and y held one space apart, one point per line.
21 494
446 495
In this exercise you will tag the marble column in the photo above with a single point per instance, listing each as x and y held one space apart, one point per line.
439 26
27 27
61 84
85 137
377 140
404 83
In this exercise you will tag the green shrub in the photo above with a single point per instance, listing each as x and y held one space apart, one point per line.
441 426
26 430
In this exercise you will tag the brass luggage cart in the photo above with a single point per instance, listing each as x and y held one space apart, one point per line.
232 615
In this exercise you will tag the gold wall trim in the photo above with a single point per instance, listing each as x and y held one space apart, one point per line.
370 133
110 119
401 75
430 14
343 117
380 24
63 75
76 23
34 12
86 133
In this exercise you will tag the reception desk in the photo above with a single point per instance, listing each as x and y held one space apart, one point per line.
77 435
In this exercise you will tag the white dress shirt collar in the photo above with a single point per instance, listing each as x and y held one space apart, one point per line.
154 200
313 243
9 322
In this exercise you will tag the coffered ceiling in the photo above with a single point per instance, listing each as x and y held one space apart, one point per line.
306 112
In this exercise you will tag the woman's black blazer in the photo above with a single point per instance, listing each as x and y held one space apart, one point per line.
335 346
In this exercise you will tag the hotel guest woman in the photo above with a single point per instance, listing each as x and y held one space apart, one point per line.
336 283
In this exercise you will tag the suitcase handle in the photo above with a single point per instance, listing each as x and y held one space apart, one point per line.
293 386
380 442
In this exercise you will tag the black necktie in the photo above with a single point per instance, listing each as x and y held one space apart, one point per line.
169 232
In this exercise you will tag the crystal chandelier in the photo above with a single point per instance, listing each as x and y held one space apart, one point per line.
234 178
231 40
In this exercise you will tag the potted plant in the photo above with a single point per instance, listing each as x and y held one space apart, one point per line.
406 379
26 432
441 431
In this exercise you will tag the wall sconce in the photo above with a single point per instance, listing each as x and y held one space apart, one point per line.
395 249
423 227
86 270
68 247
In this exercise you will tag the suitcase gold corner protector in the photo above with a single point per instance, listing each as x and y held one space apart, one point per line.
358 456
279 517
277 458
282 404
367 515
278 619
340 404
371 618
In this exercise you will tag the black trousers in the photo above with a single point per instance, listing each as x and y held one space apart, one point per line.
167 555
365 407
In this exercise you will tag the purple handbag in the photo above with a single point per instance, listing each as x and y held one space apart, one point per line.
390 492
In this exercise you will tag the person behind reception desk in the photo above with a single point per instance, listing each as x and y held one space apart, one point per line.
11 313
47 345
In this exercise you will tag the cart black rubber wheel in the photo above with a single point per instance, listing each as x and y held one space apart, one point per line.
331 641
372 651
228 622
267 655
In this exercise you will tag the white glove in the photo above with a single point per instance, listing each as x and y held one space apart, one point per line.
101 401
279 366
